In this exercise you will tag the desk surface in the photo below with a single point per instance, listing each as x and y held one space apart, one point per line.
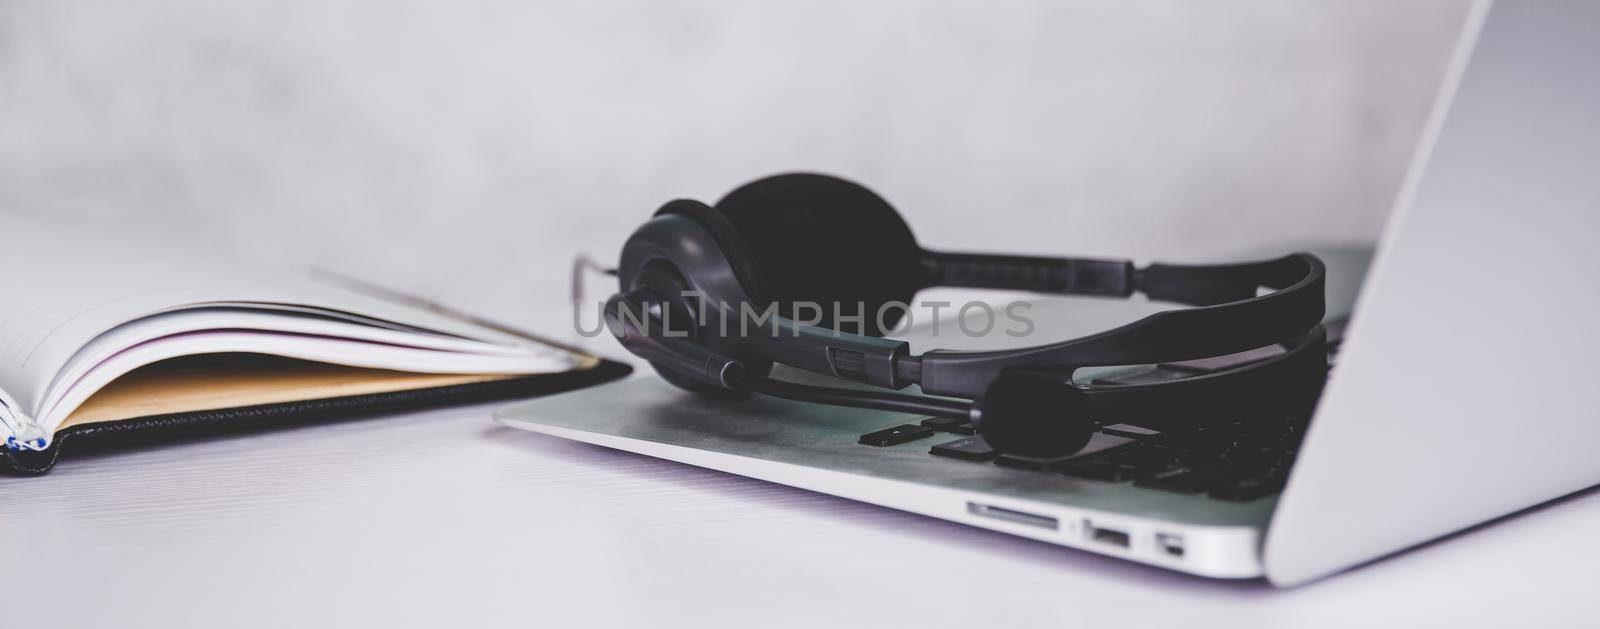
445 517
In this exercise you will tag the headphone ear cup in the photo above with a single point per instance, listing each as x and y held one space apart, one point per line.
824 240
737 253
727 238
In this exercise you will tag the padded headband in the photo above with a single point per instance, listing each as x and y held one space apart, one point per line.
1172 335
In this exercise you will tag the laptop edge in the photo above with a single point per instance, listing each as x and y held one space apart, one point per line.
1464 391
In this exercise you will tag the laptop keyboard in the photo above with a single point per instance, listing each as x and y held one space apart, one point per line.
1239 461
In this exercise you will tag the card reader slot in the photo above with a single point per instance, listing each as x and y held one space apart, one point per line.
1013 515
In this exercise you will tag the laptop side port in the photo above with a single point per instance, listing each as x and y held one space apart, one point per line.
1013 515
1105 535
1170 543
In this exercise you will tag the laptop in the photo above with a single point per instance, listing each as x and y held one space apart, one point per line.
1460 390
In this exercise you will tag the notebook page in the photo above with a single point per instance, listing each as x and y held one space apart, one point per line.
173 334
62 286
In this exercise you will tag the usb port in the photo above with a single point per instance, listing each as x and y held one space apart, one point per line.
1104 535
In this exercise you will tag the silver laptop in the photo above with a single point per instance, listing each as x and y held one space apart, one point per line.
1461 392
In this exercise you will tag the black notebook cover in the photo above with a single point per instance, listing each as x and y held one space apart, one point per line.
156 429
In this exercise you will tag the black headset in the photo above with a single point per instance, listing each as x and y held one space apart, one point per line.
696 278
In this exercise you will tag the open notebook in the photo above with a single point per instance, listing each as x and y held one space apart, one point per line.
98 333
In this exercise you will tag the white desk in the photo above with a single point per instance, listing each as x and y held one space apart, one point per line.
444 519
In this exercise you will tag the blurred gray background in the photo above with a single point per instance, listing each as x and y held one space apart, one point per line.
466 150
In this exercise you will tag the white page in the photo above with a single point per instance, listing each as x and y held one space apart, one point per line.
63 286
341 351
174 334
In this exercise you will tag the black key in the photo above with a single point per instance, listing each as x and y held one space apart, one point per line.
1240 427
1246 442
1201 444
1170 479
966 449
1101 469
1145 458
1252 461
1130 431
1263 426
1290 439
1098 443
1183 480
1247 489
895 436
1145 376
1208 477
1282 465
943 424
1297 424
950 425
